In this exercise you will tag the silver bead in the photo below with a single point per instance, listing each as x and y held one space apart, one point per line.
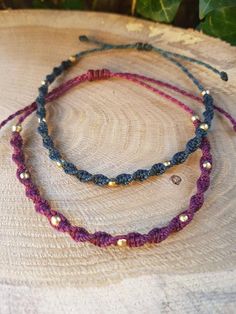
195 118
41 120
183 217
43 82
204 126
204 92
17 128
207 165
24 175
55 220
167 163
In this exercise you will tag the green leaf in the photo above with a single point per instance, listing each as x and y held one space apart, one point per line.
221 23
158 10
206 6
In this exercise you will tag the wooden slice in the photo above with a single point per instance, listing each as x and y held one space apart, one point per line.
112 127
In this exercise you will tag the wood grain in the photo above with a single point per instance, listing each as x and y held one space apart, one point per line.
111 127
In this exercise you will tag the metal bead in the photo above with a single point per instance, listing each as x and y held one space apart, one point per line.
43 83
167 163
183 217
204 126
73 59
60 163
195 118
55 220
112 183
121 242
41 120
204 92
17 128
24 175
207 165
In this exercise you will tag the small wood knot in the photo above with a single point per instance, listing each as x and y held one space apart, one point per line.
176 179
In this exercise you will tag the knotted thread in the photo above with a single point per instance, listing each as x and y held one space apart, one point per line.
94 75
101 238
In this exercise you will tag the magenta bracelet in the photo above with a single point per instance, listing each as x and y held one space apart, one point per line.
100 238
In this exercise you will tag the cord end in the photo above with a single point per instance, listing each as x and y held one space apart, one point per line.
224 76
92 40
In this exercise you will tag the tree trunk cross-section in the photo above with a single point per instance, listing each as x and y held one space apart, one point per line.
111 127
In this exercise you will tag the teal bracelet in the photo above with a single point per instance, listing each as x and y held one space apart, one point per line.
140 174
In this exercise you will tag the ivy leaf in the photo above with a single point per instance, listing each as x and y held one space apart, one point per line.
207 6
158 10
221 23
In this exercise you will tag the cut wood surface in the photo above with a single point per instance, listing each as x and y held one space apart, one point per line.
111 127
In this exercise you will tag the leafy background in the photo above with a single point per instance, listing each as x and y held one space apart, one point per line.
214 17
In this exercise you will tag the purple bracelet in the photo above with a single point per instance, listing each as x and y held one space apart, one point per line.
103 239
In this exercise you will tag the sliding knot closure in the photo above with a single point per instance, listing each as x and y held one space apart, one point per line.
94 75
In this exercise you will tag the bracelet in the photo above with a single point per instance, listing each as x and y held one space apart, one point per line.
101 238
140 174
